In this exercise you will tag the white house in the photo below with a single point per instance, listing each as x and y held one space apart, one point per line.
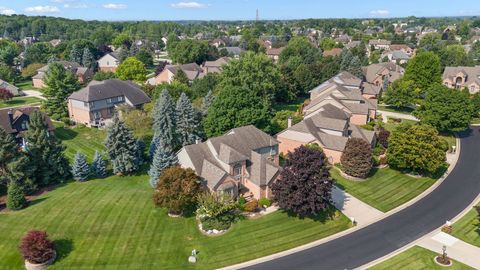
108 62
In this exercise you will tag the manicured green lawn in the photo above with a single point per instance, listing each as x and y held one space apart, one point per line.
391 125
19 101
405 110
384 189
468 228
415 258
25 85
112 224
293 107
83 139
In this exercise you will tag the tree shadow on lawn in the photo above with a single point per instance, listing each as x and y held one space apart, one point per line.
63 247
324 216
65 133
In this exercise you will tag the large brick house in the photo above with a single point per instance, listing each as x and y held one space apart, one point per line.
15 122
83 74
462 77
343 91
378 75
243 161
192 70
330 128
95 104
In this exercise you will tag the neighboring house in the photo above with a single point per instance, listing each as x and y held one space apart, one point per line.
15 122
95 104
333 52
243 161
218 43
343 39
10 88
402 47
83 74
462 77
234 52
265 43
215 66
55 42
109 62
377 74
192 70
353 44
330 128
379 44
344 92
274 53
397 57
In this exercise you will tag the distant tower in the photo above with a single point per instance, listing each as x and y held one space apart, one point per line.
258 16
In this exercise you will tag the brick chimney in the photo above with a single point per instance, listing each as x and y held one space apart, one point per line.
289 121
10 117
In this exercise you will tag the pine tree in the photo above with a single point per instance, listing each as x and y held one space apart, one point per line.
15 197
164 121
45 152
355 67
75 54
99 166
80 167
163 158
60 84
207 102
346 58
13 162
121 147
88 60
140 152
188 124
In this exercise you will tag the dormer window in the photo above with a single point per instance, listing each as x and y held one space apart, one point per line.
120 98
24 125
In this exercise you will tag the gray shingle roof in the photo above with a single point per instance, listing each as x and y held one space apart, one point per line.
17 113
99 90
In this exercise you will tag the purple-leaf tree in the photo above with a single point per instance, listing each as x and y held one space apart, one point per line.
305 185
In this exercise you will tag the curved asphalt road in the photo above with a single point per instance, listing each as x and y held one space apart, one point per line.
455 194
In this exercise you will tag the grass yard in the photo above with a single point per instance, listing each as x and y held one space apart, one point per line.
112 224
25 85
416 258
84 139
293 107
384 189
405 110
468 228
391 125
19 101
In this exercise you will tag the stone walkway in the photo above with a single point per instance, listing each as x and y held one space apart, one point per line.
456 248
354 208
386 114
34 93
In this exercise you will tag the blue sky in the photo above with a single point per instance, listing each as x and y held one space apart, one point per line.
237 9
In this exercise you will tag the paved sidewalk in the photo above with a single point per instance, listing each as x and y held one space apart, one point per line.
354 208
386 114
33 93
456 248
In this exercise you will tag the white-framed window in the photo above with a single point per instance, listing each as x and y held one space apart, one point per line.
109 100
24 125
120 98
91 104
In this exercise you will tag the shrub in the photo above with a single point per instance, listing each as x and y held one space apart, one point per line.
220 223
5 94
242 201
251 206
357 158
215 211
264 202
36 247
15 197
383 136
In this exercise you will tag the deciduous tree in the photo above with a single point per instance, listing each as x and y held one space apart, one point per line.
357 158
305 184
132 69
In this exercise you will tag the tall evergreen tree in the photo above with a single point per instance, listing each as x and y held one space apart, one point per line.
13 162
45 152
346 57
15 197
121 147
99 166
188 124
164 121
207 102
76 54
355 67
80 167
140 152
60 84
163 158
88 60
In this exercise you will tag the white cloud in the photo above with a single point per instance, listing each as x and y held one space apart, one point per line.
115 6
188 5
43 9
75 6
6 11
379 12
